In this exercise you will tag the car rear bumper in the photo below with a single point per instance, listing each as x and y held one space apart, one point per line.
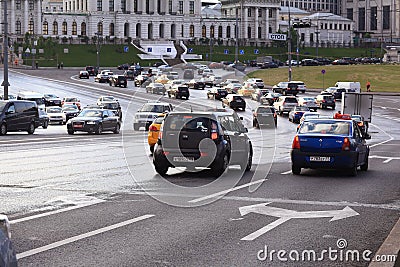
344 159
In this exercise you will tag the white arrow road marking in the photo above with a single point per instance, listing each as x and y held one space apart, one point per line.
285 215
82 236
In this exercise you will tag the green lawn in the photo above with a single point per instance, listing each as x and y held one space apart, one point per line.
383 78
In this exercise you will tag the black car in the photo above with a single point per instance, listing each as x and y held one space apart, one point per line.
94 120
51 100
18 115
123 66
118 80
70 111
269 65
183 142
234 101
112 105
217 93
92 70
269 98
43 119
179 91
196 84
337 94
265 116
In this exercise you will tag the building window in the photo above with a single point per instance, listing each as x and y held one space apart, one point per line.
99 5
169 6
270 13
212 31
302 36
18 4
111 33
249 12
135 6
100 28
173 31
31 27
259 13
361 19
150 31
340 27
18 27
191 31
374 19
182 31
191 7
126 30
228 32
83 28
74 28
123 6
159 6
249 32
111 5
311 38
204 31
148 8
386 17
161 30
31 5
335 26
45 28
180 7
330 26
350 13
55 28
219 31
138 30
64 28
259 32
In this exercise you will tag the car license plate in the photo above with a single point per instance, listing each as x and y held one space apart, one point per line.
78 126
183 159
316 158
239 101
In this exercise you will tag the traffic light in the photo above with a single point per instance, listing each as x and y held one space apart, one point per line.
302 24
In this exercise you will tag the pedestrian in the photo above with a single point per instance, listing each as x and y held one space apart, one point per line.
62 65
368 86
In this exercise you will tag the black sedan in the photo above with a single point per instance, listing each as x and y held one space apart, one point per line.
52 100
94 120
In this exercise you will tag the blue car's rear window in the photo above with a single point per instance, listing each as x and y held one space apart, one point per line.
325 127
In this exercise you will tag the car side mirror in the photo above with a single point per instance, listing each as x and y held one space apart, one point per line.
241 118
10 112
105 116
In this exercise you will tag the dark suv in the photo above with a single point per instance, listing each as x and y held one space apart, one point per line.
92 70
179 91
211 139
118 80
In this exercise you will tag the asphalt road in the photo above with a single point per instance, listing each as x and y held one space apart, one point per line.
93 200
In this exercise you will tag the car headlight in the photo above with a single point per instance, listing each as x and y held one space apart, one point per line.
91 122
5 225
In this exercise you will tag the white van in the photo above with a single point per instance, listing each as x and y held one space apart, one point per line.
32 96
354 87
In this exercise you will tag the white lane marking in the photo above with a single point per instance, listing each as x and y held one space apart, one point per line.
82 236
226 191
387 161
55 212
383 142
265 229
287 172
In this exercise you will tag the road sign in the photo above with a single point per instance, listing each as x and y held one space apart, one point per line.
323 71
256 51
226 51
277 37
126 49
297 50
33 50
285 215
190 50
241 51
27 50
149 49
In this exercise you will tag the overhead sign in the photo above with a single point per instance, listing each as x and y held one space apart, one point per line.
285 215
277 36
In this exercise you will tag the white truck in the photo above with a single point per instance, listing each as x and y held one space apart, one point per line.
358 104
354 87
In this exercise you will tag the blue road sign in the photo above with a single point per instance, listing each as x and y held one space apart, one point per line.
190 50
297 50
149 49
256 51
169 50
226 51
126 49
241 52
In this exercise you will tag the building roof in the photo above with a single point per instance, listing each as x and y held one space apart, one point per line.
293 11
212 11
326 16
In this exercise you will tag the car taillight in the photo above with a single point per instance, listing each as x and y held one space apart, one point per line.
160 133
296 142
346 144
214 136
361 124
153 128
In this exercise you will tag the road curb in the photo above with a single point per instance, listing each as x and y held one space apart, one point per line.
391 246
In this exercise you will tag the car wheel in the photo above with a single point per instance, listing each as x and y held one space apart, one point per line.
220 169
364 167
249 160
353 171
296 170
45 124
61 123
136 127
117 128
31 128
3 129
70 131
99 129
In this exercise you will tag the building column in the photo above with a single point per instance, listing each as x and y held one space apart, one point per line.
245 24
12 19
266 23
276 19
256 23
26 17
117 6
39 17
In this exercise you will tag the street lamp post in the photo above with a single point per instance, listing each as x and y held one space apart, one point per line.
289 47
98 48
5 51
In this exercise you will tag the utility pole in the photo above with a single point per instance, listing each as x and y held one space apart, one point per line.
5 51
289 47
237 35
98 48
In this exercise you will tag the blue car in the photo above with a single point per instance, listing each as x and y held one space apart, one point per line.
296 113
330 144
7 253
